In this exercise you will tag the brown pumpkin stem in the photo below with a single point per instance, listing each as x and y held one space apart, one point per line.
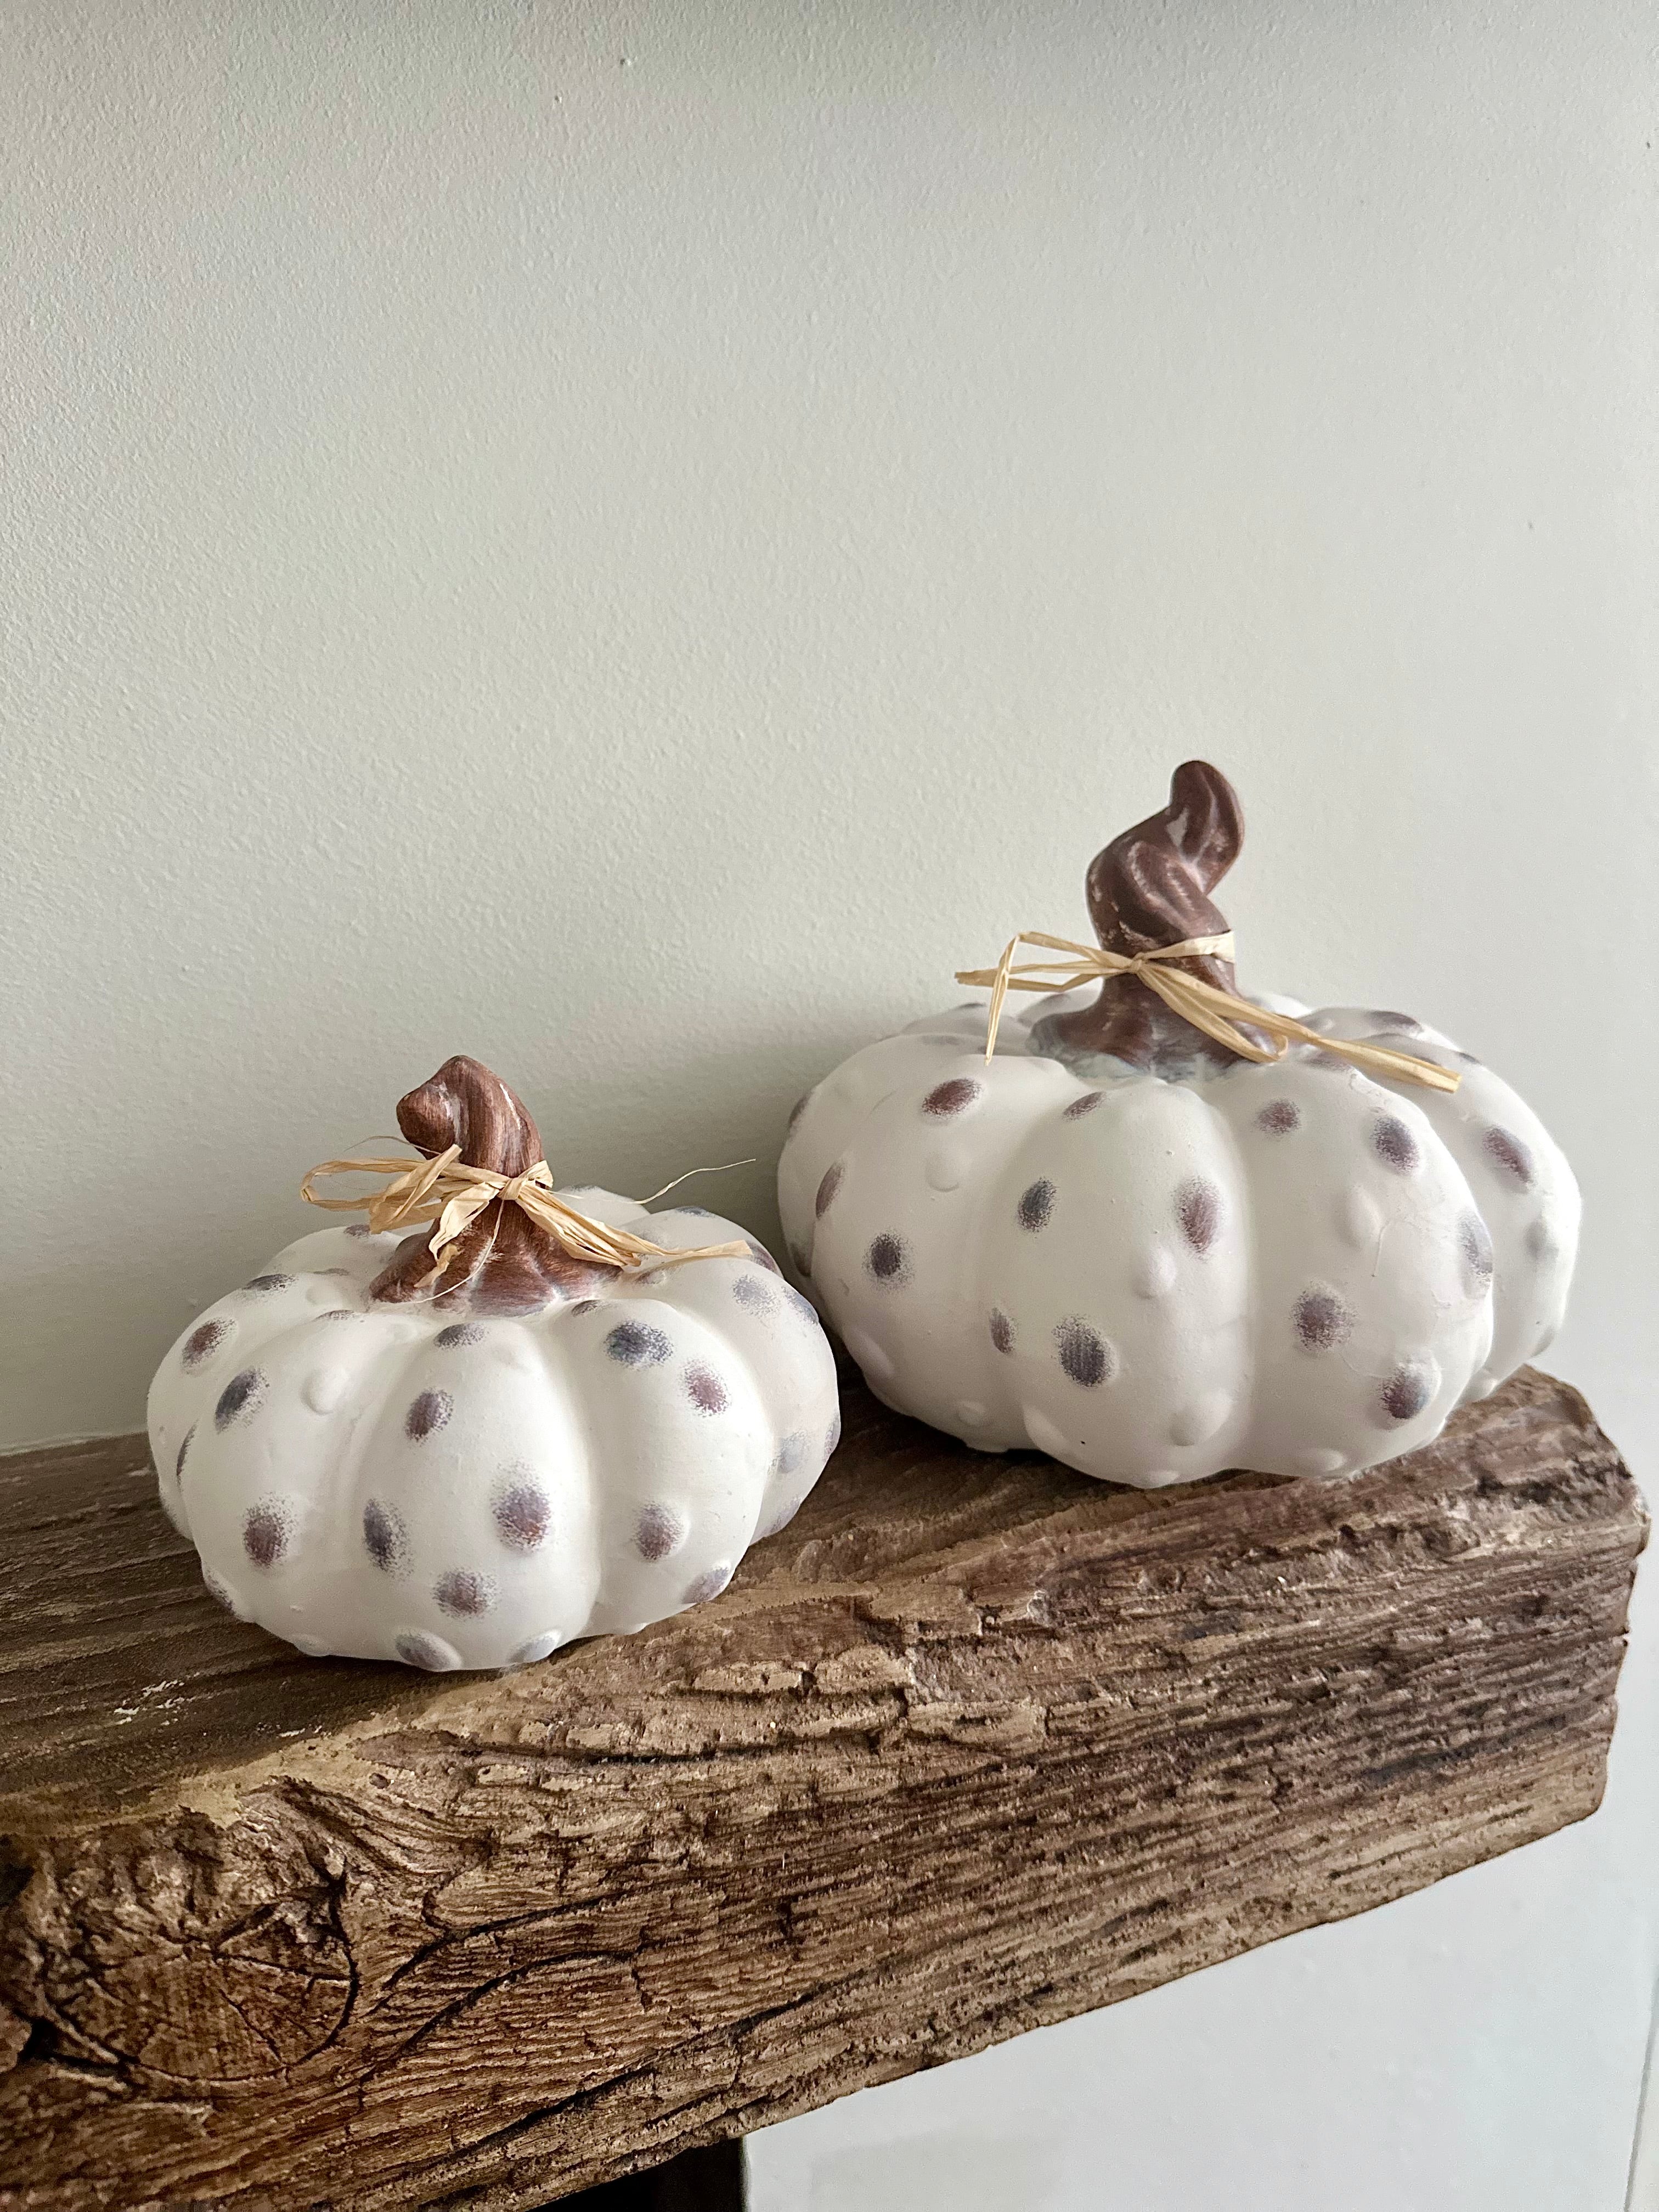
502 1262
1150 887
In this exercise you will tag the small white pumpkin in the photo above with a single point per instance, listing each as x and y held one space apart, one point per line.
544 1450
1155 1259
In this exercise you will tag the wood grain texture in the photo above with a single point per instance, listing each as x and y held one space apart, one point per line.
974 1745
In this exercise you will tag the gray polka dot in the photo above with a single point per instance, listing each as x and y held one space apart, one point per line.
709 1585
762 1257
1086 1104
184 1449
887 1260
383 1536
1036 1204
831 1182
790 1454
266 1534
1510 1156
954 1096
430 1411
457 1333
636 1344
661 1530
1084 1354
205 1339
1002 1330
462 1593
1279 1117
263 1283
1474 1249
756 1296
585 1306
1198 1209
1322 1319
1395 1145
523 1515
1406 1392
240 1395
706 1390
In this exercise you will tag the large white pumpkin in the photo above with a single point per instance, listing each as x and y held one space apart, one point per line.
1155 1259
547 1450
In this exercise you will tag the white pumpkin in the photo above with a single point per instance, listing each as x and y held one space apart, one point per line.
1153 1259
545 1450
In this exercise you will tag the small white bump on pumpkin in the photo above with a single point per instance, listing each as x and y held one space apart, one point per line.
972 1414
945 1167
1332 1257
1359 1219
1154 1274
1201 1418
1048 1436
708 1584
1318 1460
418 1647
876 1362
324 1387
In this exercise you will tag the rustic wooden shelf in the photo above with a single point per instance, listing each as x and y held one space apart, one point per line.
974 1745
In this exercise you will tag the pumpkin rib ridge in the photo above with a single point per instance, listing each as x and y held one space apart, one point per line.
381 1378
1008 1427
1240 1426
256 1333
628 1442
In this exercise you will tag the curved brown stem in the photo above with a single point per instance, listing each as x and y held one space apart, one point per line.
502 1262
1151 887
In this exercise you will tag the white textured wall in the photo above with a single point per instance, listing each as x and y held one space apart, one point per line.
631 540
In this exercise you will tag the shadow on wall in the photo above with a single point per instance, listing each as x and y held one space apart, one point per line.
930 2173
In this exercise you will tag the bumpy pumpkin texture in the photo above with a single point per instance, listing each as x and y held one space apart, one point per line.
471 1477
1153 1259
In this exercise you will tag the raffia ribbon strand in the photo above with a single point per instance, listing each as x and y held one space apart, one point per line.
446 1191
1206 1006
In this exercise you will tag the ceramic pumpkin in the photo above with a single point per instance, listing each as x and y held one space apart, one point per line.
536 1448
1121 1243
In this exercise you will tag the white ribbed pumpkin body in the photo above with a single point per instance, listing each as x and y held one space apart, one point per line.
415 1482
1290 1267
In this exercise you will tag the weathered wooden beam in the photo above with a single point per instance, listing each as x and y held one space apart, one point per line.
974 1745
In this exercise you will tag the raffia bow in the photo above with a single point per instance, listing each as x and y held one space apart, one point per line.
1206 1006
446 1191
